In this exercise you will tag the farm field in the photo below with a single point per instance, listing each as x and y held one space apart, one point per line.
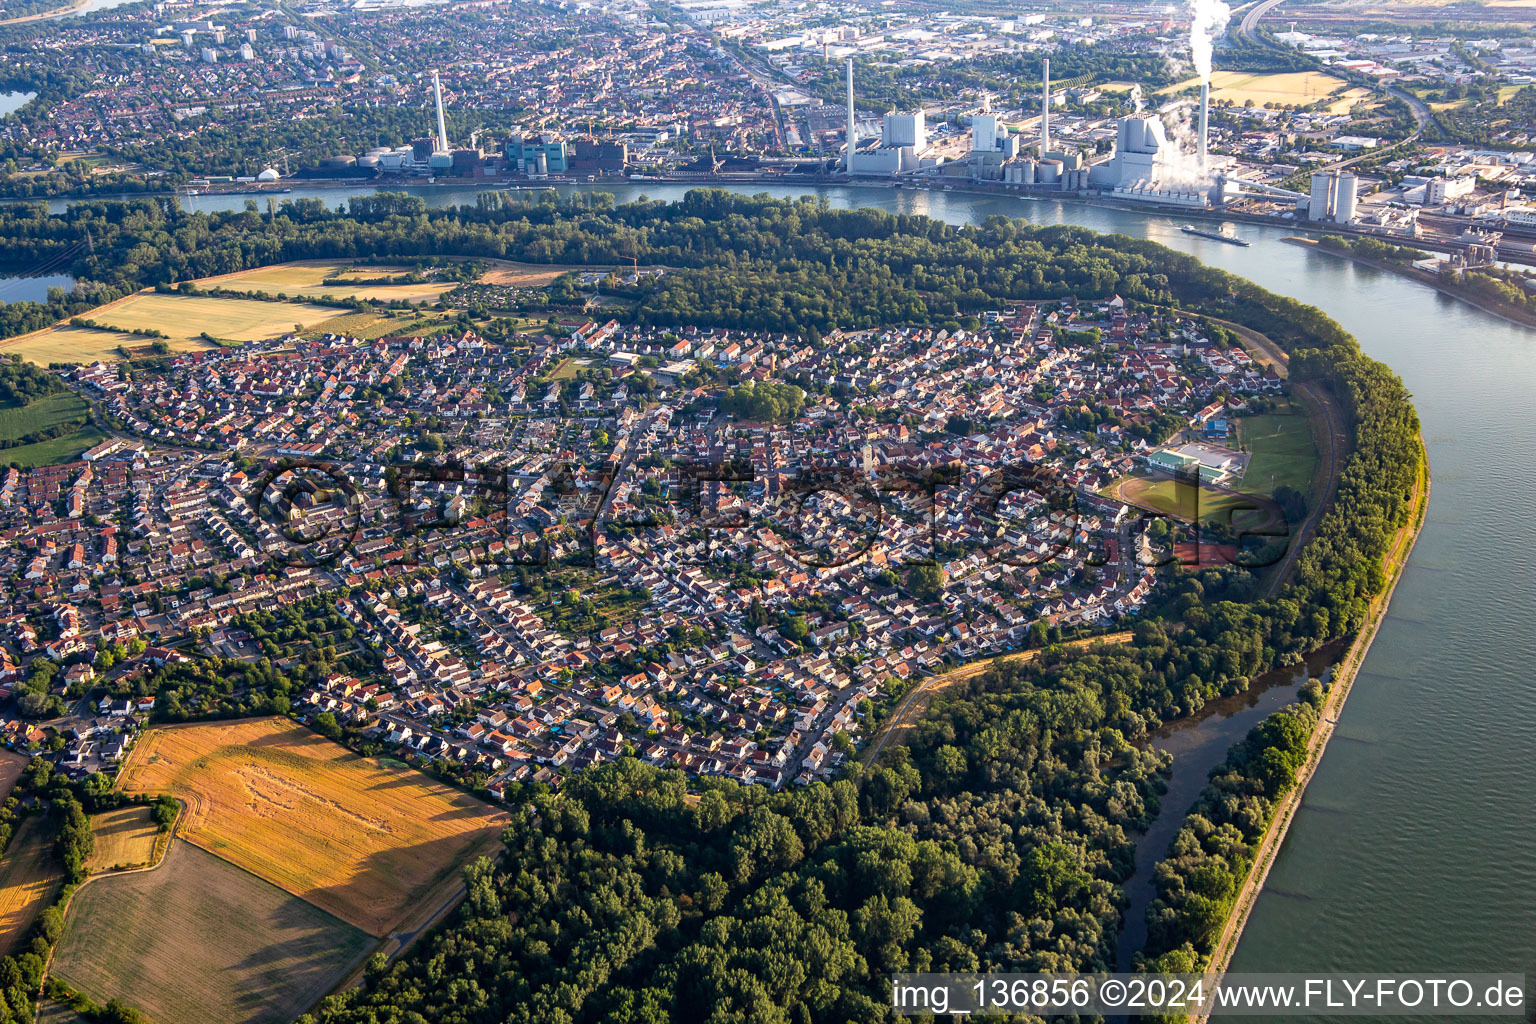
197 939
11 767
29 878
43 414
125 837
370 325
1239 87
307 279
68 344
366 842
1284 453
528 275
185 317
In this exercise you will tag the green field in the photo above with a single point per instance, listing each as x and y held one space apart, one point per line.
1284 453
48 453
198 939
43 414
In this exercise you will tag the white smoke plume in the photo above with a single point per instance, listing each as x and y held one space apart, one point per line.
1136 97
1207 20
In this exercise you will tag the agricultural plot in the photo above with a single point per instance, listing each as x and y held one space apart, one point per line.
1238 87
30 877
307 279
11 767
125 838
527 275
197 939
184 318
69 344
369 843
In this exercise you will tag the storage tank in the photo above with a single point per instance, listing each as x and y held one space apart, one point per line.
1048 172
369 162
378 151
340 162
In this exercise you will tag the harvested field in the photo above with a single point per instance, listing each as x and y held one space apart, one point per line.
11 766
125 838
369 843
184 318
30 877
67 344
307 280
1295 87
197 939
527 275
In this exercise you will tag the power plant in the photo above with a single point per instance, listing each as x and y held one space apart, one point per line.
903 141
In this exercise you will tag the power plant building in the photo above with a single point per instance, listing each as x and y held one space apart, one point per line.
1333 197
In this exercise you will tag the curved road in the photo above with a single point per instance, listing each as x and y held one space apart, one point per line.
1251 20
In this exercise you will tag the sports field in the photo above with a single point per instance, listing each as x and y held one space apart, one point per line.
307 279
30 876
197 940
372 844
1183 502
1284 452
125 838
1294 87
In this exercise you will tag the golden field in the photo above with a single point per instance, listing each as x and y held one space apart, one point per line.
365 842
305 279
1296 87
67 344
125 838
185 317
29 878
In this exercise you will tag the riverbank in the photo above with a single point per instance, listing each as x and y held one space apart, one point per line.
1333 705
1504 311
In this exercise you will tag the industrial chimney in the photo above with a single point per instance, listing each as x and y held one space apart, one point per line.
848 153
442 126
1045 107
1205 110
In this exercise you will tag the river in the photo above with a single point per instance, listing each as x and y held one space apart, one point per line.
1415 846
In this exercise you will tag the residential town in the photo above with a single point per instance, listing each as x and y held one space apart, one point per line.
720 551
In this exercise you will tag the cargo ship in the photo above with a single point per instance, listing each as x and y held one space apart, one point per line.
1217 235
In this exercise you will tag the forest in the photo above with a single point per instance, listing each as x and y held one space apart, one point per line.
1000 834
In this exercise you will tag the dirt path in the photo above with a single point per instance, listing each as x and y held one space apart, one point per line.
909 710
1333 704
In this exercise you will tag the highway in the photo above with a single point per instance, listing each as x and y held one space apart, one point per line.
1250 20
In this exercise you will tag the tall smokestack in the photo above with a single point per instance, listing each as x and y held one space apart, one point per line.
848 154
442 126
1205 111
1045 107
